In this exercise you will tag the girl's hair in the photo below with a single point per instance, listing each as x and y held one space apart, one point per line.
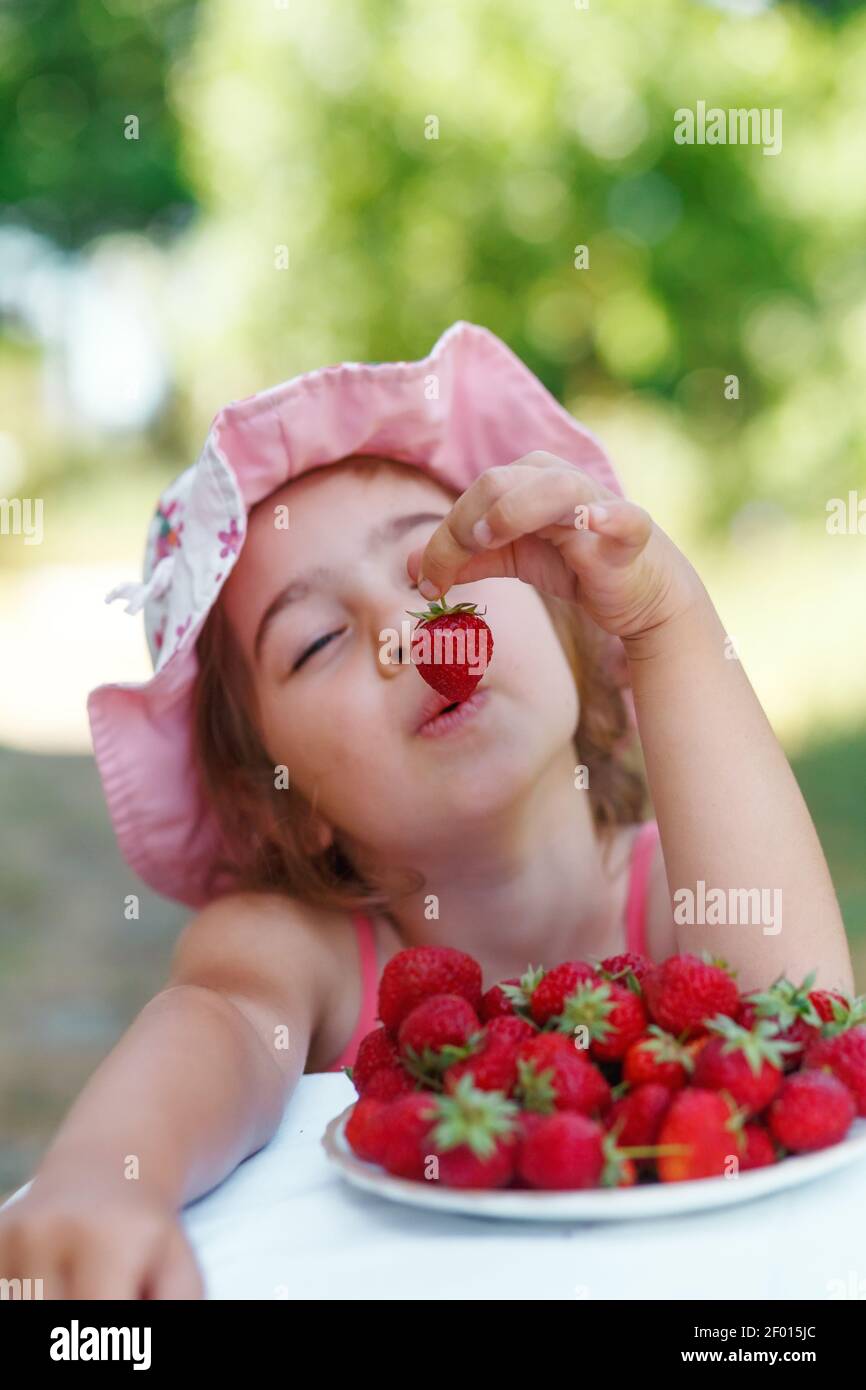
267 831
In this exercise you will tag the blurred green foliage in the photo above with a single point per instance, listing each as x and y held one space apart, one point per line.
555 129
71 71
305 125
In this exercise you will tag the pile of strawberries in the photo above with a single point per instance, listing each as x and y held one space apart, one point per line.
599 1075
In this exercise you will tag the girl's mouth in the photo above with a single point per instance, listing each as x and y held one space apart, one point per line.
454 716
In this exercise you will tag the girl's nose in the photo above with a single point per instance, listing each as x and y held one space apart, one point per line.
383 612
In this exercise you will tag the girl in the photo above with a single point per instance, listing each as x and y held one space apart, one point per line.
314 803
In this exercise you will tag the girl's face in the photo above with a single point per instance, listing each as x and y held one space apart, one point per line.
311 606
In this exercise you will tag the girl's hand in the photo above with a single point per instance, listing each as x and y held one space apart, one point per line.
548 523
86 1236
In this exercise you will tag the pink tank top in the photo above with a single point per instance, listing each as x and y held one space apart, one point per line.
643 850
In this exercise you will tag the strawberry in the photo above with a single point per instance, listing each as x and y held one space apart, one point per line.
658 1057
793 1008
684 990
493 1066
474 1137
760 1151
419 972
747 1063
825 1001
566 1151
462 1167
554 1075
389 1082
440 1030
703 1133
406 1125
812 1111
377 1049
621 967
843 1054
511 996
495 1003
451 647
550 993
510 1031
563 1151
612 1015
365 1132
636 1118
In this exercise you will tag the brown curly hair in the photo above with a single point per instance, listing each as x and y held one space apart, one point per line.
269 829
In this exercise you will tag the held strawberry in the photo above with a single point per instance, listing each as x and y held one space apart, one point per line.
451 647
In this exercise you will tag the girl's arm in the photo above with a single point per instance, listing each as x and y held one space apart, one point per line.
196 1084
730 813
199 1082
729 810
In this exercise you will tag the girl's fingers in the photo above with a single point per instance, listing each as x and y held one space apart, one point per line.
487 564
622 521
502 504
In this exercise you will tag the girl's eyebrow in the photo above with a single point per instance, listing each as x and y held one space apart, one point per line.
300 588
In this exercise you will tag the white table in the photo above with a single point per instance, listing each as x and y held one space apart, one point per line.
286 1225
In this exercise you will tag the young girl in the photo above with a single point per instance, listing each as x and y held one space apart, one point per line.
311 800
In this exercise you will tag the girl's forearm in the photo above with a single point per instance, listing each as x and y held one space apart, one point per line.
730 813
184 1097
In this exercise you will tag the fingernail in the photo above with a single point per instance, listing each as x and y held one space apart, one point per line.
482 532
427 588
599 513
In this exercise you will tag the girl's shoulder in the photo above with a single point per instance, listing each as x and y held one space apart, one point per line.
286 952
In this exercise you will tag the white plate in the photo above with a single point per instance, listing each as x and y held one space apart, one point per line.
598 1204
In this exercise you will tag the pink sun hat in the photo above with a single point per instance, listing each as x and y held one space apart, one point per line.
469 405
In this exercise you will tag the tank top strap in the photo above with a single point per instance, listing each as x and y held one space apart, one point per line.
368 969
643 850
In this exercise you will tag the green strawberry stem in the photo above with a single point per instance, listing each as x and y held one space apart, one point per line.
438 608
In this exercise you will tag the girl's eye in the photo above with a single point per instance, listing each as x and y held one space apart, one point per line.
314 647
